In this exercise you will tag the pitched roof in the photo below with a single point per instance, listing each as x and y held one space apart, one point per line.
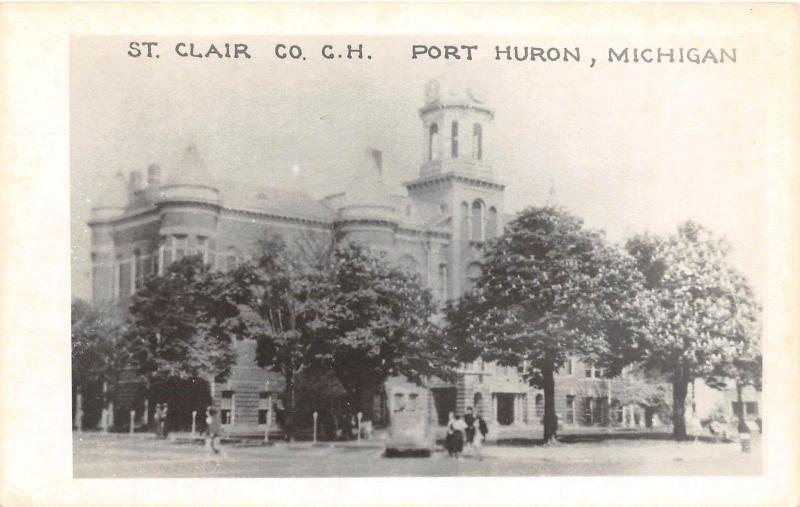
275 201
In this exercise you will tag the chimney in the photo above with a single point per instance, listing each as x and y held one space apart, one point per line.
377 157
153 176
134 183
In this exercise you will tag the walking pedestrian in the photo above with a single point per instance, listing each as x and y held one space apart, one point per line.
448 439
480 437
213 429
469 432
457 426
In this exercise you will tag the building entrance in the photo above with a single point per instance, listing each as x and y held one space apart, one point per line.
444 400
505 408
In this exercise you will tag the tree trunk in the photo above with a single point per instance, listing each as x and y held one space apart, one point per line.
550 418
680 387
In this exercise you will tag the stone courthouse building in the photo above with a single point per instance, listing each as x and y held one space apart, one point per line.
435 228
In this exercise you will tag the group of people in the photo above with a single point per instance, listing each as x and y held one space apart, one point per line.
469 431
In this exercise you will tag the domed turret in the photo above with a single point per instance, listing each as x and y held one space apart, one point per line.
189 181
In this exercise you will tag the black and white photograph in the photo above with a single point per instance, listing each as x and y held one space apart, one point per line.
299 259
399 254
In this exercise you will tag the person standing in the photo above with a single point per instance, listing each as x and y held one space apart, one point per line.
214 427
480 437
457 426
448 439
157 420
164 424
469 432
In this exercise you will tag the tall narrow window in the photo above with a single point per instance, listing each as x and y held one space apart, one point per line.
125 278
454 140
570 415
477 142
477 221
443 281
491 223
228 407
141 268
166 253
181 246
433 141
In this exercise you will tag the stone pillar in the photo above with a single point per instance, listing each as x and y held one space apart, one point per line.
494 409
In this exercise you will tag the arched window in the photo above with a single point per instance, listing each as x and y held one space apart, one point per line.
465 221
433 141
443 280
477 221
140 268
491 223
474 272
477 142
454 140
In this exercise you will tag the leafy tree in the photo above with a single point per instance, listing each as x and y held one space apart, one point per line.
379 324
97 355
549 289
742 366
702 315
282 296
182 326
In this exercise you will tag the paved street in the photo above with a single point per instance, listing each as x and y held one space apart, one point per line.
98 455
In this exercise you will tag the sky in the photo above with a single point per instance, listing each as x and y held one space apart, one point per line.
629 148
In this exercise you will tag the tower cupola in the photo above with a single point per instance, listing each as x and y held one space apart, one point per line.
454 119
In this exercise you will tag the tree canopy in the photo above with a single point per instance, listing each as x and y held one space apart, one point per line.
98 354
181 324
379 323
282 297
549 289
702 315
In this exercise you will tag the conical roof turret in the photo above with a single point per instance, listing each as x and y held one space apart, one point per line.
190 169
189 181
366 198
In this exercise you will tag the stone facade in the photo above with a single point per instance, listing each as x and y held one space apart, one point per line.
437 228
